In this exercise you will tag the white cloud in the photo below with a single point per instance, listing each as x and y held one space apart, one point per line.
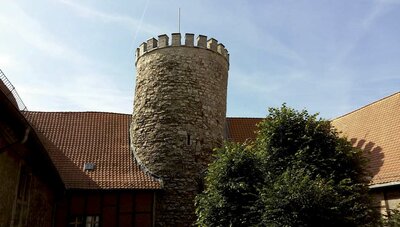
84 86
93 92
379 9
14 19
273 45
8 61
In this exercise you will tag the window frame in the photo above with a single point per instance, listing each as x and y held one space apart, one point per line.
22 197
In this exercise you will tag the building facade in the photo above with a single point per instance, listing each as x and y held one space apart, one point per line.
30 184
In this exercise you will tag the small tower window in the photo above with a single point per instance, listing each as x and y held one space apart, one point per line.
188 140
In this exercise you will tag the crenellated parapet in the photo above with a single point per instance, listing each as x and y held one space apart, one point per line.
164 41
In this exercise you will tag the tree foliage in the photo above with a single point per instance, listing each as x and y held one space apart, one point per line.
232 183
392 218
298 172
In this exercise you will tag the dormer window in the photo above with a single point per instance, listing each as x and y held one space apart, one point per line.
89 166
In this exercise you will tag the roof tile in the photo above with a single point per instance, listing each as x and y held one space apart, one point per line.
241 129
375 128
75 138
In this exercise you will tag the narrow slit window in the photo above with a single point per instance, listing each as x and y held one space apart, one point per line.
189 140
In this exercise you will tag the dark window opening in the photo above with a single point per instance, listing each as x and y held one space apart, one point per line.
200 185
189 140
76 222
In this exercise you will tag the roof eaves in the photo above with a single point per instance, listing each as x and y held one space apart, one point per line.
389 184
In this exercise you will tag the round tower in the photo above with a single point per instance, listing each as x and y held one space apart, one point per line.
178 117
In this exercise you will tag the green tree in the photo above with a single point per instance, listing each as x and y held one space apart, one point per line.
392 218
232 181
298 173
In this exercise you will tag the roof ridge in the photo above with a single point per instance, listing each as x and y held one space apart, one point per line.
101 112
367 105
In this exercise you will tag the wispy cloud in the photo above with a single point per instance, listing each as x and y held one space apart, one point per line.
13 18
379 9
266 83
75 81
390 1
131 23
254 33
82 93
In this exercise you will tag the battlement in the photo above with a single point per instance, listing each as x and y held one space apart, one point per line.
163 42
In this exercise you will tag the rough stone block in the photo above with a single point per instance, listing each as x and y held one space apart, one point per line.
189 39
202 41
176 39
151 44
163 40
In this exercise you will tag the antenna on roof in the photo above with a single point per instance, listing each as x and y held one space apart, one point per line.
179 20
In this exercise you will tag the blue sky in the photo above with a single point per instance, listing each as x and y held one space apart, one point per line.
326 56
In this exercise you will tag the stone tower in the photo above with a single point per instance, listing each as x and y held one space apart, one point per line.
178 117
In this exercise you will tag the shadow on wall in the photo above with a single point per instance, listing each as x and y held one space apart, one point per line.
372 152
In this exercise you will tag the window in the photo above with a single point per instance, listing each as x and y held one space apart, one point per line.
188 140
81 221
91 208
92 221
76 222
21 204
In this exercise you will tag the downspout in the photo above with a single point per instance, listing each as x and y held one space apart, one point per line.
154 209
385 197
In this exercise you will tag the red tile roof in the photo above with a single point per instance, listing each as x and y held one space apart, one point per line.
75 138
241 129
375 128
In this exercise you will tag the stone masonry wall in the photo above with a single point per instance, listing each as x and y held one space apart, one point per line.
179 116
